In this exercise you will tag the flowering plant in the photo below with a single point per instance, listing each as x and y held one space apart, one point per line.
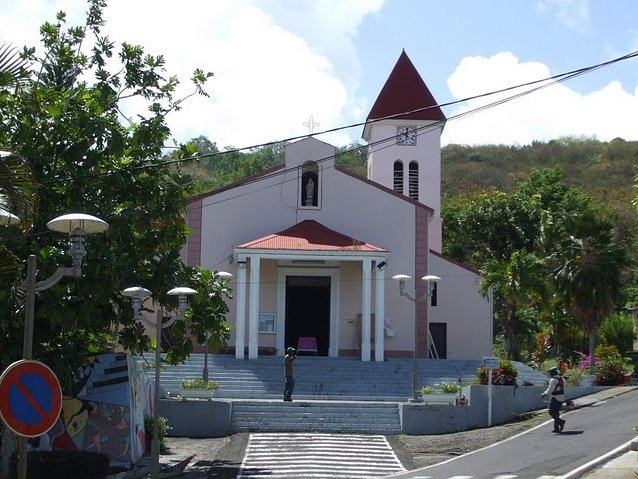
585 360
198 383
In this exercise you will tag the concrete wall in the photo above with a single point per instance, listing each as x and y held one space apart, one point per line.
197 418
212 418
507 403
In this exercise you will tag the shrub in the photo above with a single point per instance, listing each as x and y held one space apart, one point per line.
62 464
163 429
449 388
427 390
198 383
574 376
612 371
618 330
506 370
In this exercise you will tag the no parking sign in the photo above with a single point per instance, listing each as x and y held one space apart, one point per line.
30 398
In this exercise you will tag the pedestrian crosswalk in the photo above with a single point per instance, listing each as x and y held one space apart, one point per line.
500 476
317 456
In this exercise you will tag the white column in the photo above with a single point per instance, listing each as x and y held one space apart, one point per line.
379 314
366 299
253 308
240 315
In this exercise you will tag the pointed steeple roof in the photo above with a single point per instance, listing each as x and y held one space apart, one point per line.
405 91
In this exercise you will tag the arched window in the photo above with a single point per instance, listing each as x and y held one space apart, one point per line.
310 184
397 184
413 181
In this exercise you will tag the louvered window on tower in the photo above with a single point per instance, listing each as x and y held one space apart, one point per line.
398 176
413 181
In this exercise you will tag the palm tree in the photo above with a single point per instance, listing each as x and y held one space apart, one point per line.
16 194
13 73
588 275
16 181
517 283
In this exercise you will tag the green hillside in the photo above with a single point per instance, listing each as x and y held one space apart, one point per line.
604 170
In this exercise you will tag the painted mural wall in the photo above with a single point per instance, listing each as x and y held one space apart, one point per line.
107 413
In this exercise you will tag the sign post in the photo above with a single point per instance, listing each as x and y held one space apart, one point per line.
490 363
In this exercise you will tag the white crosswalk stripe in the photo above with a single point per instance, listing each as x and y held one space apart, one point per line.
317 456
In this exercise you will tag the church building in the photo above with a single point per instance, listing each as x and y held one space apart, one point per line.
313 247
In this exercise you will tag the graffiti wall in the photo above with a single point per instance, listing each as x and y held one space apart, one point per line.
107 413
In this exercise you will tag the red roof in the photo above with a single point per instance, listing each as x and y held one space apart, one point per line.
405 90
310 235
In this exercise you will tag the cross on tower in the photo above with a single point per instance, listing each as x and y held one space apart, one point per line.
310 124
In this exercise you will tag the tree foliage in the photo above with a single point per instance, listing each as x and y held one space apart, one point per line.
69 122
590 263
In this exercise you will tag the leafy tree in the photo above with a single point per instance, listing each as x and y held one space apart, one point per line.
516 282
353 157
214 168
206 317
590 263
68 120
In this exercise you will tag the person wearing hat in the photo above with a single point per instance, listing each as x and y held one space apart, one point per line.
288 370
556 391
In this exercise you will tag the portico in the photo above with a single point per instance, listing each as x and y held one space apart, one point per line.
270 266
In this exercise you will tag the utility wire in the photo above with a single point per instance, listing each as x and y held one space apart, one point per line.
543 83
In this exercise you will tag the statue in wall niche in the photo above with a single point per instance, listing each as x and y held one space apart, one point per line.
310 191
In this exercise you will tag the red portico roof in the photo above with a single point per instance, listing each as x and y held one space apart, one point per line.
310 235
405 91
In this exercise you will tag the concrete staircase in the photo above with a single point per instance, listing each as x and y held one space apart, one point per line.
316 416
322 378
331 394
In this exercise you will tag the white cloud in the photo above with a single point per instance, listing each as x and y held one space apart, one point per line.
574 14
275 62
543 115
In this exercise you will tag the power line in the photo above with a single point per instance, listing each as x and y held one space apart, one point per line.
542 83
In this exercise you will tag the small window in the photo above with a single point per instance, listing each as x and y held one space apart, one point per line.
398 176
413 181
310 184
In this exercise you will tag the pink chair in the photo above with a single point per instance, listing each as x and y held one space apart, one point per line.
307 345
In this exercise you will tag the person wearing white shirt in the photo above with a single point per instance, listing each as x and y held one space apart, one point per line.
556 391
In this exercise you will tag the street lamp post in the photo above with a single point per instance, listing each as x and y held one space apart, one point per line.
137 295
224 276
77 225
416 299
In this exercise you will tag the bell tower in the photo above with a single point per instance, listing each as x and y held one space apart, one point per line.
403 131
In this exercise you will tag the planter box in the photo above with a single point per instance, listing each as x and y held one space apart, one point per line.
197 393
441 398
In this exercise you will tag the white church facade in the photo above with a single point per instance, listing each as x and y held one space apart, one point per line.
313 247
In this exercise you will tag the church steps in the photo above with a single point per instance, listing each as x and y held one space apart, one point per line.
325 378
315 416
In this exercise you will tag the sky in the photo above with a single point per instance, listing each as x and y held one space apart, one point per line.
278 64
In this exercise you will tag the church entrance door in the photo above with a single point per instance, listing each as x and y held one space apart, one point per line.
308 310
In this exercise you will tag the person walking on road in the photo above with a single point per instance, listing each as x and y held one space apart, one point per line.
556 391
288 373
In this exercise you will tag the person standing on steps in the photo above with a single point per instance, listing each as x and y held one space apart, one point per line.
556 391
289 358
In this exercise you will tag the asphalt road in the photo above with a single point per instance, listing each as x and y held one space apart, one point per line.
589 433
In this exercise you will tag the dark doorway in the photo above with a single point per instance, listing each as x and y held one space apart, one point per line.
308 310
439 340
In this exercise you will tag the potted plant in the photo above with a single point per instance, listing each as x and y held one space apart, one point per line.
505 375
444 393
198 388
